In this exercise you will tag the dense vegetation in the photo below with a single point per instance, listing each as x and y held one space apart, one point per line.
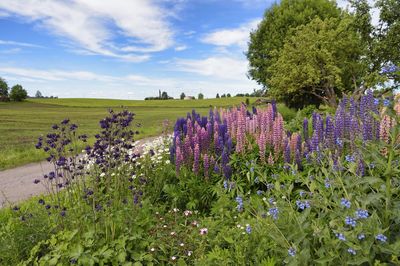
312 52
232 188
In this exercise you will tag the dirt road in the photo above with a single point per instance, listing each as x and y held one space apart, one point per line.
17 184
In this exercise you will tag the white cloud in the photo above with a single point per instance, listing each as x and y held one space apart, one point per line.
89 24
222 67
234 36
180 48
21 44
55 75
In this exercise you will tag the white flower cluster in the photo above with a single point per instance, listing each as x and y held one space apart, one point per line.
157 148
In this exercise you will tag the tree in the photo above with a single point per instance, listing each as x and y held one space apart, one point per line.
3 90
217 96
228 95
164 95
381 42
182 96
317 64
17 93
38 94
223 95
279 22
200 96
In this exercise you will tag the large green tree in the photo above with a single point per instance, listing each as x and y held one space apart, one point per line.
18 93
319 62
3 90
279 22
381 41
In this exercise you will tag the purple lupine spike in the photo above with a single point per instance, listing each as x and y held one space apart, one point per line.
274 109
227 172
298 159
286 155
196 159
206 164
254 110
329 132
361 168
352 109
305 129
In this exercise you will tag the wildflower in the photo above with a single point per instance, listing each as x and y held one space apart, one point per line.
189 253
341 236
339 142
381 238
248 228
386 102
225 184
346 203
41 202
327 183
175 209
302 193
187 213
172 233
351 251
173 258
350 158
361 236
239 200
152 249
181 244
259 192
350 221
36 181
274 212
362 214
15 208
302 205
292 251
203 231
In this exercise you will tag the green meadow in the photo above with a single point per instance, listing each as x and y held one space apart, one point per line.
22 123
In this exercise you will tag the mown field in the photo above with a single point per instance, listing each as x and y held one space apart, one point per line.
22 123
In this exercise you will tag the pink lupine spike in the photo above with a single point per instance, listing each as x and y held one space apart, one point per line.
196 159
261 145
270 159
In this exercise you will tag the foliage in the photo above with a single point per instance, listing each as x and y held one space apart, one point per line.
335 204
3 90
317 63
279 23
17 93
200 96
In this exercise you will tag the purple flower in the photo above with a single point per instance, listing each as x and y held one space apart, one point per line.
351 251
361 236
274 212
362 214
292 251
346 203
381 238
248 229
341 236
350 221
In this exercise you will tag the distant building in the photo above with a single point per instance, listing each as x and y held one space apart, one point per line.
189 98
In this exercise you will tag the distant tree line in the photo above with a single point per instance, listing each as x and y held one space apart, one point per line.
161 96
39 95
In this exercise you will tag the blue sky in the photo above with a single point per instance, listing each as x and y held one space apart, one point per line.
127 49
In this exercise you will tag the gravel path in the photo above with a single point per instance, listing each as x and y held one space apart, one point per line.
17 184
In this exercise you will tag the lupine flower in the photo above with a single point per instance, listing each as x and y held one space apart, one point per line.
381 238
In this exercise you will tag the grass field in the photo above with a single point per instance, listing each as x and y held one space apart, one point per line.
22 123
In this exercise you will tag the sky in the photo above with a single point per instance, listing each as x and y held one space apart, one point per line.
128 49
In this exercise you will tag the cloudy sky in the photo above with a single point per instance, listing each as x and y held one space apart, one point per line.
127 48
